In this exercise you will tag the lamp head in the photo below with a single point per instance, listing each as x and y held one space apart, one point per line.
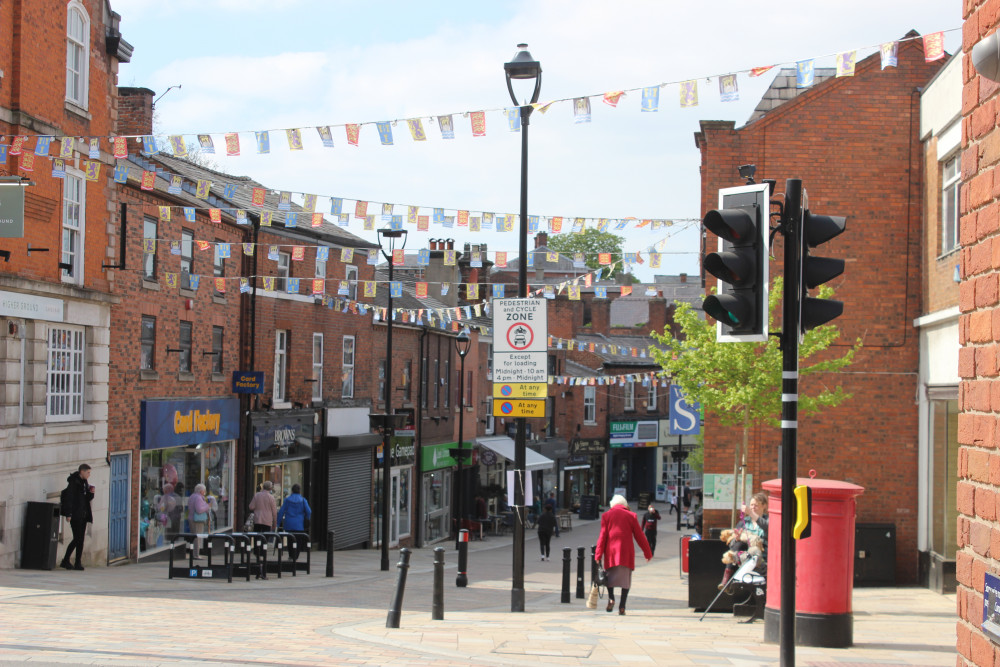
463 343
523 67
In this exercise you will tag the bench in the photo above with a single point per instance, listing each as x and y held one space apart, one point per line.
745 580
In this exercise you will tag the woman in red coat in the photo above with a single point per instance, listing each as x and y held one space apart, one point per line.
619 527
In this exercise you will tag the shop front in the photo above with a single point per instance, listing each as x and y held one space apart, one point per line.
344 502
584 469
182 444
437 463
633 457
282 450
401 462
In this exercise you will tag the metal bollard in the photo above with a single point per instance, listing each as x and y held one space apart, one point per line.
392 619
567 562
593 565
329 553
579 572
462 579
437 603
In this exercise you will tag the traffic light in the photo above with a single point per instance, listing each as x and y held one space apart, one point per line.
740 303
802 528
817 230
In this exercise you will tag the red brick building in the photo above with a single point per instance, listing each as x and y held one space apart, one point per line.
55 283
854 143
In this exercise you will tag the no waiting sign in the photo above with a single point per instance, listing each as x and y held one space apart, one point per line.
520 325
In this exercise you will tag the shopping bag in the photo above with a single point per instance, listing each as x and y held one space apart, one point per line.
592 598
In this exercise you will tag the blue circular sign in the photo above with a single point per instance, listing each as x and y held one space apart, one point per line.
506 390
506 408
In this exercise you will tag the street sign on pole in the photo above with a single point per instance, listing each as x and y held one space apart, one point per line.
520 325
519 408
520 390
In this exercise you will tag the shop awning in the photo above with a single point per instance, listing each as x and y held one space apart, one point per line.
504 446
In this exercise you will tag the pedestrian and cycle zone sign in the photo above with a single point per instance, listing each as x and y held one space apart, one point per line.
520 357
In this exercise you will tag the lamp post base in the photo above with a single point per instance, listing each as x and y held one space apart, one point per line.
517 599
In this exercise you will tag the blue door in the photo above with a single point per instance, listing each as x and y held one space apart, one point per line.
118 507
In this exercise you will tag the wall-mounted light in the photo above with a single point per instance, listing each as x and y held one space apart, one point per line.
986 57
5 254
174 349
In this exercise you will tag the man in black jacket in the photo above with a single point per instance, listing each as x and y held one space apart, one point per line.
77 512
649 520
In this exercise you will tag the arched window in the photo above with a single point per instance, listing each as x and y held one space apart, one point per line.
77 53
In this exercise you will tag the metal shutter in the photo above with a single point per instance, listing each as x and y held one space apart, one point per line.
349 497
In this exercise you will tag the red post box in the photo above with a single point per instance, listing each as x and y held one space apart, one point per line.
824 566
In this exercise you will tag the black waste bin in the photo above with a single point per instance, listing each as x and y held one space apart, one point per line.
40 541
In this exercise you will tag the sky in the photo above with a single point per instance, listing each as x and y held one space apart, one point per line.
250 65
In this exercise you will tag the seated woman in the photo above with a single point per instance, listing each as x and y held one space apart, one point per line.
754 524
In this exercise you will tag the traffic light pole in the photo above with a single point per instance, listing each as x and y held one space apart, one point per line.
792 307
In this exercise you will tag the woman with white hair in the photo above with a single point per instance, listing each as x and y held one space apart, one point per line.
198 508
619 527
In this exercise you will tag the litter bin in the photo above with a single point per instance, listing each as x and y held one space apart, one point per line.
824 564
40 536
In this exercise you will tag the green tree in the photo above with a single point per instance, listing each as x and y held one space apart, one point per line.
740 383
590 242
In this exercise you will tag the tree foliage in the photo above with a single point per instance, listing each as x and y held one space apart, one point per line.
590 242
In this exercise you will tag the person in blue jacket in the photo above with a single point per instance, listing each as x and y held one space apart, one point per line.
294 511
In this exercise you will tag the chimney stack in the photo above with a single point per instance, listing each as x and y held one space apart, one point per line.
135 111
541 239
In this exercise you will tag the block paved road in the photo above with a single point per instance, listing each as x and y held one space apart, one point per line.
135 615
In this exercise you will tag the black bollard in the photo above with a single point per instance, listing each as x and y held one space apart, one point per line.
437 604
462 579
392 620
593 565
567 562
329 553
579 572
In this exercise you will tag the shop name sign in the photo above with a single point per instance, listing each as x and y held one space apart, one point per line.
634 434
248 382
196 421
29 306
991 611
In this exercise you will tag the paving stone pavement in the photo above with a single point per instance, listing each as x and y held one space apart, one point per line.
135 615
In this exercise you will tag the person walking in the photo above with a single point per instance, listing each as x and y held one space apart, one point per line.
76 508
198 508
619 527
550 502
649 521
295 511
547 525
265 510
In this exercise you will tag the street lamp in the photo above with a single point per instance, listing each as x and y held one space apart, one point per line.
523 68
462 345
391 236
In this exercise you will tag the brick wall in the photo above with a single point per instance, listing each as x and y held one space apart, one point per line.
979 330
827 136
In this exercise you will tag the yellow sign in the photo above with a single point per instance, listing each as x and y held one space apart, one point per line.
520 390
518 408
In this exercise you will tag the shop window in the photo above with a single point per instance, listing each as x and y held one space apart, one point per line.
64 374
187 257
589 405
218 334
149 253
168 477
77 50
347 368
317 367
951 183
279 389
73 226
147 336
629 395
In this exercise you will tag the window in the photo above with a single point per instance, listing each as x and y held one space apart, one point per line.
187 257
280 385
651 401
184 357
218 265
64 374
73 225
381 381
589 405
284 271
437 382
320 268
217 337
468 389
405 380
147 337
943 436
630 394
489 364
317 368
351 273
77 48
446 380
423 382
550 421
552 365
951 180
489 415
149 258
347 372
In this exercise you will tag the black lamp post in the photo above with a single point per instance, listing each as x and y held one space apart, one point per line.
389 426
521 67
462 345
